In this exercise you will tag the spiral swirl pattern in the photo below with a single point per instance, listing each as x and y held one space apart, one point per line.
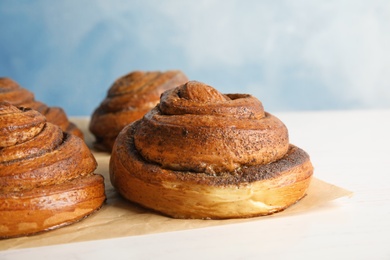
129 99
209 151
195 116
12 92
43 172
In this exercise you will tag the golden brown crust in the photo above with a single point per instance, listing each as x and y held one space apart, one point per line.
12 92
129 99
50 207
46 175
196 98
202 154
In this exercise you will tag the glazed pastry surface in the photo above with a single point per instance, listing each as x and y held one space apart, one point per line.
47 176
129 99
12 92
203 154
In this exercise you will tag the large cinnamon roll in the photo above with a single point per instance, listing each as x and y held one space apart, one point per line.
203 154
12 92
129 98
47 176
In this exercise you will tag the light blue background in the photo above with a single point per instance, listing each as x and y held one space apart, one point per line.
292 55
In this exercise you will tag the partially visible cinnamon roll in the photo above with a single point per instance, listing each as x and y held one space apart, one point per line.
47 176
128 99
12 92
203 154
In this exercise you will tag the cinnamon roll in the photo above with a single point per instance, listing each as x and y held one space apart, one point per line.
47 176
12 92
203 154
128 99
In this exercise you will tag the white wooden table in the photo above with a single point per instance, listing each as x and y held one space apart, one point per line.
350 149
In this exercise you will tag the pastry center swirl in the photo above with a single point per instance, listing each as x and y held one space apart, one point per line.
196 128
200 99
35 153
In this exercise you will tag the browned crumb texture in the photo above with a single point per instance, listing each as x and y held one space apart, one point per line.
221 155
150 171
128 99
12 92
47 176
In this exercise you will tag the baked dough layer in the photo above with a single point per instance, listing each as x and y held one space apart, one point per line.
12 92
128 99
232 160
47 176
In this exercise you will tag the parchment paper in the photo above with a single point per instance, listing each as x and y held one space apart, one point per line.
119 218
